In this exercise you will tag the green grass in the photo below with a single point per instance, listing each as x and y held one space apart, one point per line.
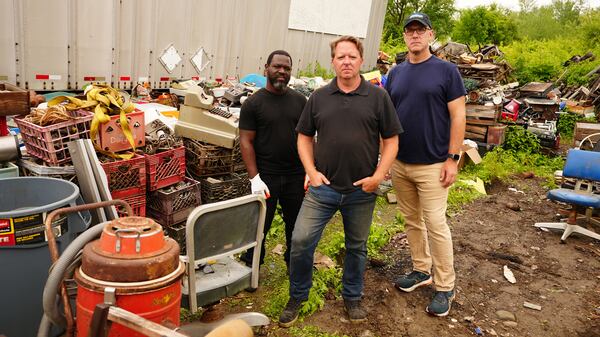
503 165
311 331
459 194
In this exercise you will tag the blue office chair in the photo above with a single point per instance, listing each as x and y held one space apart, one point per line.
584 166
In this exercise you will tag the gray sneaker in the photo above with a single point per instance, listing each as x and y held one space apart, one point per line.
355 310
290 313
412 281
441 303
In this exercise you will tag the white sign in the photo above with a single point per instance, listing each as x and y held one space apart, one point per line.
338 17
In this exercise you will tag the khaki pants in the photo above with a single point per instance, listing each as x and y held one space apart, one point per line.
423 201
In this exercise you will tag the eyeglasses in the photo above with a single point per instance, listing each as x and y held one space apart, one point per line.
420 31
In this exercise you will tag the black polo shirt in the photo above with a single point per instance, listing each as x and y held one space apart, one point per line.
274 118
348 126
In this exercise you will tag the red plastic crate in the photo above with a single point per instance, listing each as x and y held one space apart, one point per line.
3 126
111 137
165 168
177 197
49 143
168 220
137 203
126 177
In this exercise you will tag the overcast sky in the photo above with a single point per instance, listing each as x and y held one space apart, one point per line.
512 4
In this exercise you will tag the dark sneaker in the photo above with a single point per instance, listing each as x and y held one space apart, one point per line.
441 303
412 281
290 313
356 312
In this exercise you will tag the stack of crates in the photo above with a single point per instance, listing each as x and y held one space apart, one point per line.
126 177
171 195
221 171
127 181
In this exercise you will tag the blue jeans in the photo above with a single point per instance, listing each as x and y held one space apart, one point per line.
319 206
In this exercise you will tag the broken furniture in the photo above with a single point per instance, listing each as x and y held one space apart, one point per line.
583 166
214 232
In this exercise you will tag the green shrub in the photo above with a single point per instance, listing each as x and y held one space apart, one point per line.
566 124
520 140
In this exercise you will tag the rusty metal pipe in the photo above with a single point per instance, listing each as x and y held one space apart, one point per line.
53 247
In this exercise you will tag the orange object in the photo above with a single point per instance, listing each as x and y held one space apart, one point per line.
135 258
111 137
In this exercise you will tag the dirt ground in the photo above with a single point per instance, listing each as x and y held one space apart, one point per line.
493 231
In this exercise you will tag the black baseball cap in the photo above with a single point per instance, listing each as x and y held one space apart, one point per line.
418 17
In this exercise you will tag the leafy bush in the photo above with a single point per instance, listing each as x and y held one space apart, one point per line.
566 124
520 140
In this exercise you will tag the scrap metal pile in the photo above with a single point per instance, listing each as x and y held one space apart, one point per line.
483 66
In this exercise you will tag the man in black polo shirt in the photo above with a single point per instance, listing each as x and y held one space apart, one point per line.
349 115
268 142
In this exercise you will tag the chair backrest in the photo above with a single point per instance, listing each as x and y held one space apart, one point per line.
583 165
224 228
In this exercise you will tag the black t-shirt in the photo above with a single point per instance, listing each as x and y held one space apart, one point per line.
421 93
274 118
348 127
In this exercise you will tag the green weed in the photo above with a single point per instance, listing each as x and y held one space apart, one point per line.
459 194
311 331
566 124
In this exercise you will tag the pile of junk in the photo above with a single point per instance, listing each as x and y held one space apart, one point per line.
160 248
493 101
121 277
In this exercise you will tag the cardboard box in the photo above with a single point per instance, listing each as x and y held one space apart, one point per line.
471 153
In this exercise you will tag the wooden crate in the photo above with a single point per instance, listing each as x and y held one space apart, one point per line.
481 114
13 100
583 130
476 132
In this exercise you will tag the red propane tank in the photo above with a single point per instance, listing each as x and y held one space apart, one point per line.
133 257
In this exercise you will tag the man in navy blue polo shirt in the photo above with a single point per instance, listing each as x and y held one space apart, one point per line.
429 97
350 116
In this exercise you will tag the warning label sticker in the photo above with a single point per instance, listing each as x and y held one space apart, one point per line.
29 229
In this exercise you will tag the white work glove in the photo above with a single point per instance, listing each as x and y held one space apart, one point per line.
259 187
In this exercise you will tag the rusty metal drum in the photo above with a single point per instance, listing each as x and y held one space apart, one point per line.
135 267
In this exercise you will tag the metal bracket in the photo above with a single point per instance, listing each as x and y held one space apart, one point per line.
138 244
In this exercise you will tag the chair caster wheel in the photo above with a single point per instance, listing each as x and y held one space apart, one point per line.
251 290
563 242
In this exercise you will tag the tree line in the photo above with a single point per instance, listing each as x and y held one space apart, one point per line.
537 40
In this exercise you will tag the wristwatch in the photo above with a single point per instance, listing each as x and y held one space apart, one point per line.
453 156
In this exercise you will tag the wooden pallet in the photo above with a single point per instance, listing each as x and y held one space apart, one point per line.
481 114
